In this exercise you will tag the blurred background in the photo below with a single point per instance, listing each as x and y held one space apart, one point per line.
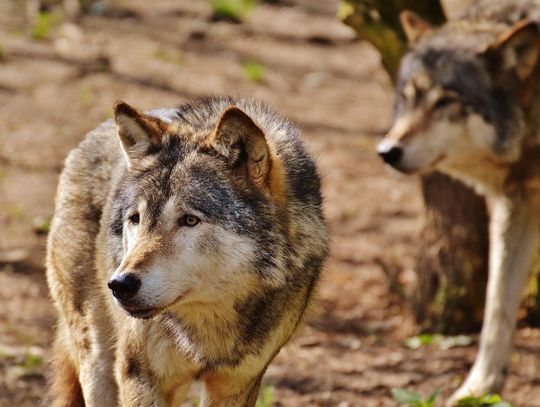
63 64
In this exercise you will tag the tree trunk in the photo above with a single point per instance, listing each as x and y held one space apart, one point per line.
452 262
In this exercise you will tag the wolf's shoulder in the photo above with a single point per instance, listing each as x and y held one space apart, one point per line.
89 168
503 11
478 26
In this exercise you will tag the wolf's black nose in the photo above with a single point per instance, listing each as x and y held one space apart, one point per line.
124 286
392 155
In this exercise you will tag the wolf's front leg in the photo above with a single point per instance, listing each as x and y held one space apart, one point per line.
94 344
139 388
230 391
514 240
97 382
136 386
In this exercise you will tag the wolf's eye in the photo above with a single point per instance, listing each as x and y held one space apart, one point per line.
188 220
135 219
444 102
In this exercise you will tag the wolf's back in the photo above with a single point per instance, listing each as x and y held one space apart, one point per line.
504 11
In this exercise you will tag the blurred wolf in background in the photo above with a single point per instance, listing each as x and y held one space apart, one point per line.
185 245
468 104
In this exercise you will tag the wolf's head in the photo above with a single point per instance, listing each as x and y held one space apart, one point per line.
462 92
198 215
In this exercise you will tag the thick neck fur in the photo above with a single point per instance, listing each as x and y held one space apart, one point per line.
496 178
222 335
208 335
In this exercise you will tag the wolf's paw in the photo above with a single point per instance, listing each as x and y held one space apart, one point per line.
476 385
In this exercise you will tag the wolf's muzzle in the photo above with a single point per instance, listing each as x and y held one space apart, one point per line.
124 286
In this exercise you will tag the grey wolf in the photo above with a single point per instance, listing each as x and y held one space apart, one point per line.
186 245
468 104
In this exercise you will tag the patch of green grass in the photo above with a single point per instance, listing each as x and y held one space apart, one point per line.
266 397
41 225
85 94
31 362
443 342
410 398
44 23
16 212
170 57
489 400
232 10
253 70
416 342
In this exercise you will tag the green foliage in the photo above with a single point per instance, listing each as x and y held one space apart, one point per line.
443 342
85 94
233 10
44 23
416 342
488 400
31 362
412 399
170 57
27 363
16 212
253 70
41 225
266 397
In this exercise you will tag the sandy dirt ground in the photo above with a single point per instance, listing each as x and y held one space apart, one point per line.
52 91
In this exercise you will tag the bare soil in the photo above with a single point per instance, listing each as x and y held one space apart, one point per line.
165 52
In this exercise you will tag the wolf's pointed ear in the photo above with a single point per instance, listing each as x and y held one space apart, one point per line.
136 130
413 25
519 48
238 138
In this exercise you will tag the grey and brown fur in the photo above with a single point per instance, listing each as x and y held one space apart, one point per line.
213 209
468 104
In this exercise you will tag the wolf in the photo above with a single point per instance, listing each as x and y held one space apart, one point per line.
468 104
186 244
